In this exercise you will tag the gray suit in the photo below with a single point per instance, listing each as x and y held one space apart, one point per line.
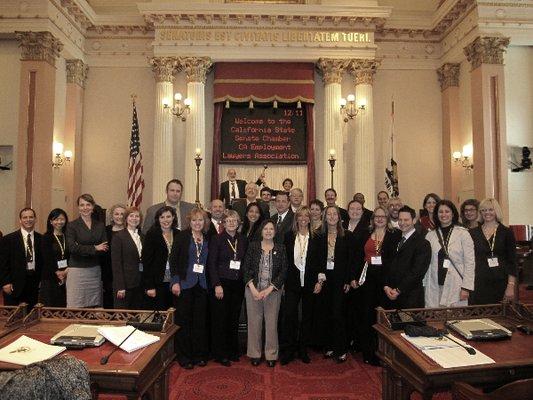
184 209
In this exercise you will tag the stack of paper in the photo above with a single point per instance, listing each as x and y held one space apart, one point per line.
26 351
116 334
446 353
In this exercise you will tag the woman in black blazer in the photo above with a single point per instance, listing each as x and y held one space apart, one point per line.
253 218
226 254
158 245
265 269
304 281
117 224
126 250
495 249
55 255
334 258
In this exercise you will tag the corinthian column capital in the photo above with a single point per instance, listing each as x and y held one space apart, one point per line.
331 69
196 68
363 70
164 68
486 50
448 75
39 46
77 72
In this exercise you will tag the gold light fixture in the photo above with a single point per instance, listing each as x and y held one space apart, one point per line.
349 109
332 161
60 158
180 109
198 162
464 159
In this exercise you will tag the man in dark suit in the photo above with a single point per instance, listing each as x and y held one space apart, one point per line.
217 213
232 189
404 275
252 191
174 192
284 217
367 214
21 262
331 200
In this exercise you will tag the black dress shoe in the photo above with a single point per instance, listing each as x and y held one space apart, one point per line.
286 358
342 358
201 363
235 358
224 361
328 354
255 361
304 357
271 363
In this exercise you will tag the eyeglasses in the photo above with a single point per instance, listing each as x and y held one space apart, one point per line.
379 216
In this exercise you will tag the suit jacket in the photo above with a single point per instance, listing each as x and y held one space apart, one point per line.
407 269
81 241
184 209
155 256
253 258
312 268
125 261
240 205
13 260
340 274
367 214
225 191
284 227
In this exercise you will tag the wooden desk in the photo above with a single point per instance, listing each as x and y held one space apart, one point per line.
406 369
143 373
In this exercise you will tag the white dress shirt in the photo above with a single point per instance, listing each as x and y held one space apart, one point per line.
25 235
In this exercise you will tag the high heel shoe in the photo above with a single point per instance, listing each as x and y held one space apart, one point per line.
342 358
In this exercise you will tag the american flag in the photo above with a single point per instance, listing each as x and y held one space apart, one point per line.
391 175
135 175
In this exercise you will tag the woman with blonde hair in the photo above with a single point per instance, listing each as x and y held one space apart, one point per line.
495 249
116 224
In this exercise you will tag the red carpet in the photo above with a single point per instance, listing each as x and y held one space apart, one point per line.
320 380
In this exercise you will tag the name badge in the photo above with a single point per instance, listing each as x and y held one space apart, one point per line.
30 267
493 262
330 265
62 264
446 264
167 267
234 264
141 267
198 268
375 260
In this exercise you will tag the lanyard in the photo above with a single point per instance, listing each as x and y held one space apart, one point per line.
169 242
199 247
61 246
331 247
302 246
447 238
234 248
493 236
378 243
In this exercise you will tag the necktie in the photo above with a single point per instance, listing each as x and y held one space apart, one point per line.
279 220
220 228
29 249
402 241
233 194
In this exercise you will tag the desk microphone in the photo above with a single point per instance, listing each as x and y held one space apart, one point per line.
470 349
105 359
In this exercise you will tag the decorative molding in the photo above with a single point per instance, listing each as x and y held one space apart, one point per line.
118 29
448 75
196 68
77 72
75 11
39 46
486 50
363 70
164 68
332 69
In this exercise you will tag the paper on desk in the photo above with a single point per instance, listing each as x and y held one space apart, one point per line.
446 353
26 351
116 334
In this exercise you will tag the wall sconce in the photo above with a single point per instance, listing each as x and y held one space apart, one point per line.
179 109
60 157
464 158
349 109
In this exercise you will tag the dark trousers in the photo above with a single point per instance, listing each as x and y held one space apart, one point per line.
28 295
191 317
225 315
296 333
107 286
371 296
336 325
133 300
162 300
353 332
52 294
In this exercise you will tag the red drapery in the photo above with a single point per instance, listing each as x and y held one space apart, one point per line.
264 82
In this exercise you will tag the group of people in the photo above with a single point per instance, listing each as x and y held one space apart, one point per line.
277 256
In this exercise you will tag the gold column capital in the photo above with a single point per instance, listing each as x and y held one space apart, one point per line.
77 72
363 70
448 75
196 68
39 46
332 69
486 50
164 68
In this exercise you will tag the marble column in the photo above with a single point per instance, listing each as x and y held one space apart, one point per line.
163 167
196 69
332 70
448 75
36 122
362 178
77 72
488 118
